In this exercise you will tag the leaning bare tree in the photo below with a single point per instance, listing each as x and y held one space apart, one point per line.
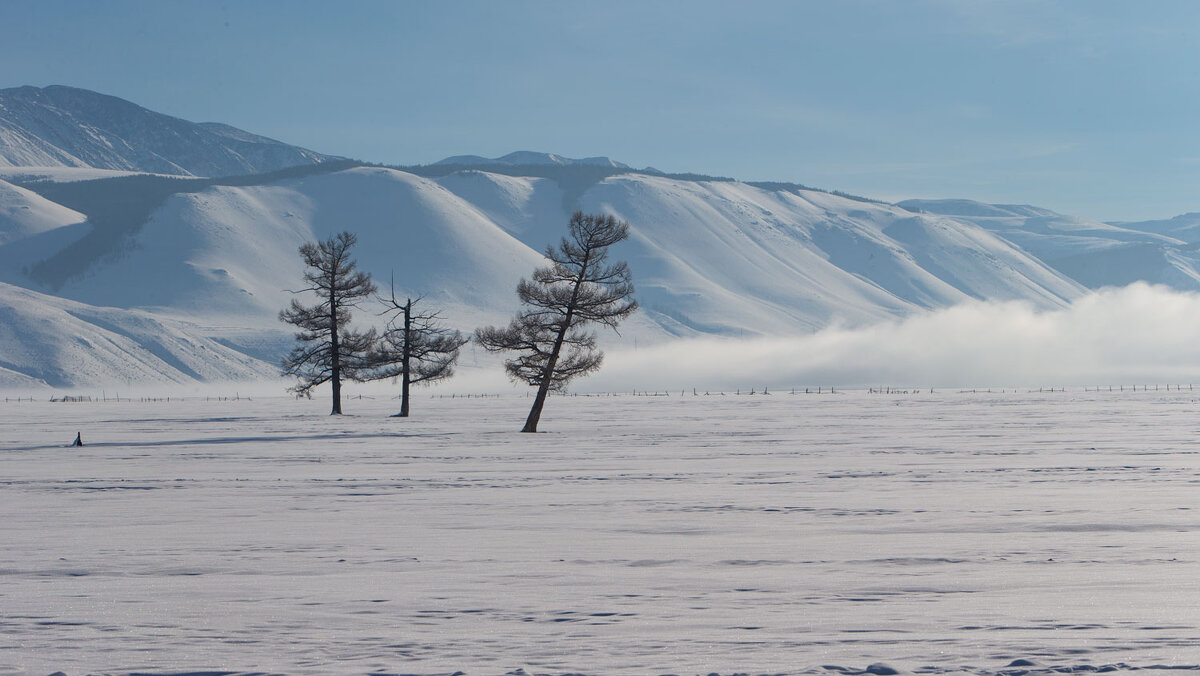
328 351
579 287
415 348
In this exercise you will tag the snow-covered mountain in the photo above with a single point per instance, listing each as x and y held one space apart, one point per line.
51 341
525 158
215 261
1185 227
66 126
24 213
106 273
1092 253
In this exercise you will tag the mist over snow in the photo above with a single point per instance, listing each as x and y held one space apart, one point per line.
1136 334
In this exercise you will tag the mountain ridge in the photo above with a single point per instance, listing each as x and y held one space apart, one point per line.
72 127
521 158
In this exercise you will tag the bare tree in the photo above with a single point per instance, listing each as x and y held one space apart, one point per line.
328 350
579 287
415 348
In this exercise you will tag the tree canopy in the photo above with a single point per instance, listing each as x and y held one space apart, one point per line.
327 349
579 287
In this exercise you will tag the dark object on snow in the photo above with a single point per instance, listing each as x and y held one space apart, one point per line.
78 440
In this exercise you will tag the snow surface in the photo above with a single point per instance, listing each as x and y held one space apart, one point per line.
999 533
55 342
1185 227
1092 253
529 157
72 127
729 258
24 213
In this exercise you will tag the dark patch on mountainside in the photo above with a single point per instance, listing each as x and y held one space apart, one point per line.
777 186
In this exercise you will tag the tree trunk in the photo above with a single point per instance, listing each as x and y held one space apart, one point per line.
337 395
405 356
535 413
335 364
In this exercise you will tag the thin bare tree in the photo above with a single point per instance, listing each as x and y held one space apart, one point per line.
328 350
415 348
578 288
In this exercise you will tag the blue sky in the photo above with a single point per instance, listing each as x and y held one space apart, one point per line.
1089 107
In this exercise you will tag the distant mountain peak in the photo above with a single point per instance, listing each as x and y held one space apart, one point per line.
531 158
61 126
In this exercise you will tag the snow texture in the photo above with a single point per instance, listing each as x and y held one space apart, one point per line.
945 533
1092 253
56 342
24 213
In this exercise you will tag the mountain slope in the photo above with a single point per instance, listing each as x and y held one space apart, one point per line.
49 341
229 253
211 260
730 258
1092 253
526 158
24 213
1185 227
708 257
66 126
156 265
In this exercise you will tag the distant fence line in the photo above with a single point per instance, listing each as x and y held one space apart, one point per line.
70 398
694 392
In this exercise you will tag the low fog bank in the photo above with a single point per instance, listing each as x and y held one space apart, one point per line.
1136 334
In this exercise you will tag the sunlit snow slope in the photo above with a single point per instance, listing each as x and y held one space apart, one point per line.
24 213
49 341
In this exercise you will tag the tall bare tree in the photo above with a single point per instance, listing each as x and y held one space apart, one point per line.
415 348
578 288
328 350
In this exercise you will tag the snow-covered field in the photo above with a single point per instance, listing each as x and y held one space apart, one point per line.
937 532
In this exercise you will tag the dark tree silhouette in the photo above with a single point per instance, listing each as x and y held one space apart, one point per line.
579 287
415 348
328 351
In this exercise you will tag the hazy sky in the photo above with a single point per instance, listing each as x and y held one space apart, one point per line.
1088 107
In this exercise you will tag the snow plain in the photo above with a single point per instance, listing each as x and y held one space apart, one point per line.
942 532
